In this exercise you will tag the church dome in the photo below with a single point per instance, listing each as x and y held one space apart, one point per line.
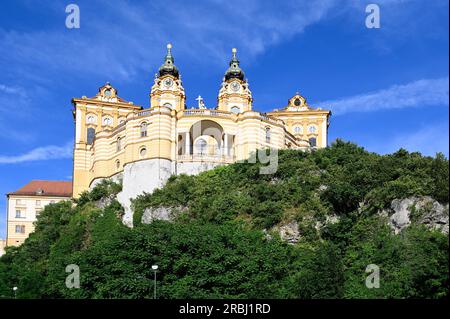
234 71
168 67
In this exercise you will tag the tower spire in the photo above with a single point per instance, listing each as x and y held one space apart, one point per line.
234 71
169 53
168 67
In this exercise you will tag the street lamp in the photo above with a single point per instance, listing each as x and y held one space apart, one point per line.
15 292
154 267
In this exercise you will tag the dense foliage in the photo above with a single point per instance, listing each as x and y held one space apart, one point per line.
223 241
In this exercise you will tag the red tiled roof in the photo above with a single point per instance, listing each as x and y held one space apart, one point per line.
45 188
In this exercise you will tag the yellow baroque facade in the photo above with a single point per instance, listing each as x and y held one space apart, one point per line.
116 139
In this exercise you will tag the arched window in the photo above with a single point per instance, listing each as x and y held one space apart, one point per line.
235 110
267 134
312 142
143 129
90 135
91 119
168 105
298 129
117 164
119 144
312 129
201 146
107 121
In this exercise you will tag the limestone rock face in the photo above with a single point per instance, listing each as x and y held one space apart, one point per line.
105 201
437 217
289 232
160 213
140 177
148 175
421 210
400 218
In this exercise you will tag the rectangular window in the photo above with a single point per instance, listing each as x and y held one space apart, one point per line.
19 213
144 129
38 203
90 135
20 229
267 135
119 144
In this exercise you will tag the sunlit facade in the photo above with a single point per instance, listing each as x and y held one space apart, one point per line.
112 134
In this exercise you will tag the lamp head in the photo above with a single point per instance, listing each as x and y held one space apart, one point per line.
154 267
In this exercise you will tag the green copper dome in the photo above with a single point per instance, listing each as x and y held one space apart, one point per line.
234 71
168 67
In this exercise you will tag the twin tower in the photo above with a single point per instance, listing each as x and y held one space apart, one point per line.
234 95
142 148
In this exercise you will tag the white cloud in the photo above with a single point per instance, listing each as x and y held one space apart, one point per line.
13 98
129 38
9 89
50 152
426 92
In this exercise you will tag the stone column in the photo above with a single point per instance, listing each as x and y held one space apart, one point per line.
225 144
188 144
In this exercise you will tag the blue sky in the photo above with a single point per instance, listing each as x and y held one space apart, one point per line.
387 87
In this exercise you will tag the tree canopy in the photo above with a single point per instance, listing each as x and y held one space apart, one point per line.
223 242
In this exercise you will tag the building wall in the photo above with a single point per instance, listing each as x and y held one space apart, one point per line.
246 132
174 135
29 208
2 247
305 121
165 126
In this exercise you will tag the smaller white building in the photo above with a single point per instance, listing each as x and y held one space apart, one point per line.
2 247
26 203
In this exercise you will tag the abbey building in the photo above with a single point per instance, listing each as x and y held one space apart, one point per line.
143 147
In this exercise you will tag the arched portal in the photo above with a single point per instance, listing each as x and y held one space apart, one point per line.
204 137
207 128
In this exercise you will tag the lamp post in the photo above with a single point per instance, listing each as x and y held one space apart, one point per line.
155 268
15 292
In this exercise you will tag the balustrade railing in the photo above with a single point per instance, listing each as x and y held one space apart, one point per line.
207 154
143 113
206 112
267 118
